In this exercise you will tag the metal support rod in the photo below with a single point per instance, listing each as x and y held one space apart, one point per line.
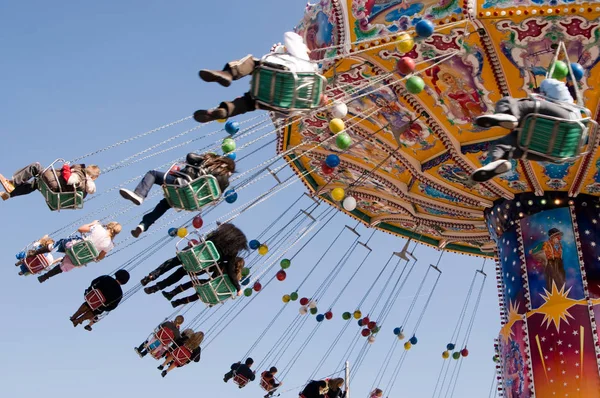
353 230
347 379
312 198
274 175
307 214
365 246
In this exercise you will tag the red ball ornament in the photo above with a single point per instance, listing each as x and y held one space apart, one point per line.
303 301
366 320
281 275
365 332
328 315
174 169
464 352
257 287
193 242
372 325
405 65
326 169
197 222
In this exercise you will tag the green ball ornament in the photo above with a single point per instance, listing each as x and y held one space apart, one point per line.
415 84
228 145
343 141
456 355
314 311
285 263
561 70
376 329
245 272
294 296
248 292
346 316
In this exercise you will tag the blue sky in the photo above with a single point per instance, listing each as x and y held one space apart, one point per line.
78 76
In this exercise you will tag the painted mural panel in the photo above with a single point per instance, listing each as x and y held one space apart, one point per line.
513 284
513 354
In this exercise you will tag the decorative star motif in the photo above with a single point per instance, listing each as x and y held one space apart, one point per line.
513 317
556 306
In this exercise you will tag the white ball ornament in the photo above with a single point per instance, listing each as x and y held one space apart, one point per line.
339 110
349 203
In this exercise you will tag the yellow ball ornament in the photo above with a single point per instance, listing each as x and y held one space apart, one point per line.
221 120
445 354
286 298
405 43
407 345
263 249
182 232
336 126
357 314
338 194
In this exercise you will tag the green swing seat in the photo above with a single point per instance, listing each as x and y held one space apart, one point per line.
199 257
216 291
194 195
57 201
281 89
82 253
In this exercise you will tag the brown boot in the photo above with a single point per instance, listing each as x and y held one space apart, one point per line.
223 77
8 185
4 196
205 116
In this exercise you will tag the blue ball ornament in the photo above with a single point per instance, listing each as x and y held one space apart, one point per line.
245 281
578 70
332 160
232 127
172 232
450 347
413 340
397 331
424 28
230 196
360 323
320 318
231 156
254 244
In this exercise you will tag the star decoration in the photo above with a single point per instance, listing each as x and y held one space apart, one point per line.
556 306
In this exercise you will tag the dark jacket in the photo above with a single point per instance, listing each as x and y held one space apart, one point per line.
339 393
60 184
110 289
227 266
171 326
244 370
194 170
312 390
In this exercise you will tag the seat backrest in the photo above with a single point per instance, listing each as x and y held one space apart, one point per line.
240 380
82 252
165 335
216 290
182 355
556 139
199 257
287 91
95 298
60 201
193 196
36 264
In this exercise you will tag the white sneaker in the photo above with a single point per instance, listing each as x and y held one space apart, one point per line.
132 196
499 119
137 231
491 170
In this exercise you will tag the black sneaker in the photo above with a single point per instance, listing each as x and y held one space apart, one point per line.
205 116
146 280
151 289
137 231
222 77
167 295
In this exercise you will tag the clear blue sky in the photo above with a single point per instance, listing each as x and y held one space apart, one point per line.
77 76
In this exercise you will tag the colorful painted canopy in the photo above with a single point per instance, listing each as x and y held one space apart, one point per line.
504 48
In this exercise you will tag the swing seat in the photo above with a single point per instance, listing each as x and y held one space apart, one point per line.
265 384
194 195
182 355
36 264
95 299
240 380
156 349
82 253
277 87
216 291
57 201
199 257
165 336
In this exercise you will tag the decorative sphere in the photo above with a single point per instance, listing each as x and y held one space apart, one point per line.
221 120
397 331
313 311
372 325
328 315
263 249
245 281
365 332
339 110
371 339
413 340
303 310
415 84
561 70
281 275
285 263
338 194
366 320
312 304
257 287
193 242
496 358
349 203
336 125
230 196
304 301
343 141
450 347
464 352
286 298
182 232
197 222
405 66
578 70
446 354
172 233
254 244
456 355
231 155
360 322
407 345
376 329
346 316
294 296
320 318
332 160
357 314
245 272
405 43
232 127
247 292
228 145
174 169
424 28
326 169
401 336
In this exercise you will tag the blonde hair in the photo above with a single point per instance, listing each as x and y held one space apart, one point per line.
194 341
46 241
113 228
92 171
239 266
335 384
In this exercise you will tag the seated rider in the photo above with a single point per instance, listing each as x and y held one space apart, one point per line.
315 389
376 393
191 342
70 178
221 167
44 247
101 236
173 326
111 290
228 239
295 52
510 113
269 381
231 268
242 369
335 388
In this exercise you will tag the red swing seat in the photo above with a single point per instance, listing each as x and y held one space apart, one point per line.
182 355
240 380
36 264
165 336
95 299
265 384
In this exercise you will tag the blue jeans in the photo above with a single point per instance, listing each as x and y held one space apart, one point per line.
151 178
